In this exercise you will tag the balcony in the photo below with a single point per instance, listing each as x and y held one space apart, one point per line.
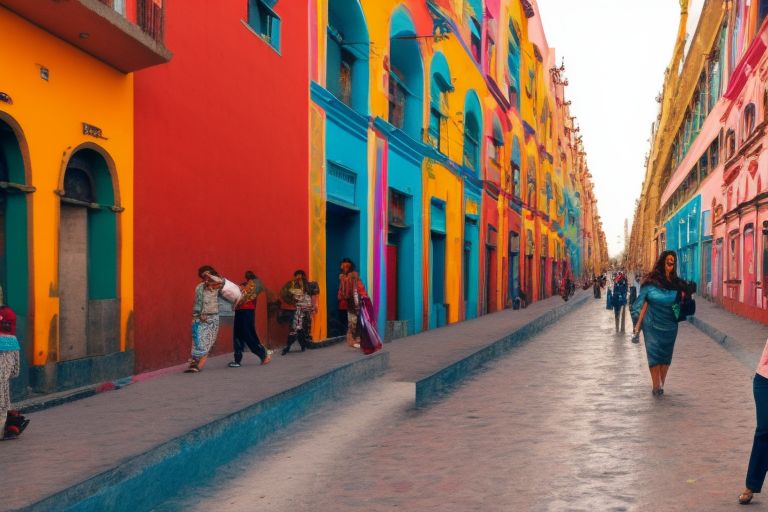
125 34
341 184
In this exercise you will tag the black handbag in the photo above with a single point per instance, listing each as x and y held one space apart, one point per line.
687 308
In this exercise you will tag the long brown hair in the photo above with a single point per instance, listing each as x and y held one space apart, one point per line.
658 277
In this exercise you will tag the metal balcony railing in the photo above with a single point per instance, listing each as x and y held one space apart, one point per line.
149 15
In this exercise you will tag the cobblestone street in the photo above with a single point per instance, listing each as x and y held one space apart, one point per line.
564 422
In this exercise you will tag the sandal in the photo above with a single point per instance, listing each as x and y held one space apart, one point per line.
746 496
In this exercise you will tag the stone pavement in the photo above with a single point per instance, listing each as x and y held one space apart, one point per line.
742 337
565 422
73 442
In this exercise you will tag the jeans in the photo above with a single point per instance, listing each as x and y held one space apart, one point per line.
758 460
245 334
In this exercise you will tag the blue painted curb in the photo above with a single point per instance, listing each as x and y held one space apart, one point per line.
432 388
147 480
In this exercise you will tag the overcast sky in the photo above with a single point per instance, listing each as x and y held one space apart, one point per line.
615 54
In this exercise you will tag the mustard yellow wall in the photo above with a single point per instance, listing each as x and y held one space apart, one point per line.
440 183
50 113
317 242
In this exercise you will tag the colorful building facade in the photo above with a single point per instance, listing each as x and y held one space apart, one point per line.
429 141
450 169
221 172
709 170
66 177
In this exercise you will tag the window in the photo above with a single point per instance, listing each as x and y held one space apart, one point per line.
491 55
531 191
733 255
713 155
345 77
703 166
471 142
78 185
396 208
765 103
439 87
730 143
397 94
406 76
513 65
749 121
263 20
714 78
347 53
515 165
474 29
516 180
496 150
435 130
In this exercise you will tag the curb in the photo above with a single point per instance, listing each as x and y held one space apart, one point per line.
435 386
42 402
732 345
143 481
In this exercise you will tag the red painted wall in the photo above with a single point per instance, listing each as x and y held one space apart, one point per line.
490 217
221 169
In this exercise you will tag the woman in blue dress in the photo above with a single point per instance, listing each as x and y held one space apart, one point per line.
654 312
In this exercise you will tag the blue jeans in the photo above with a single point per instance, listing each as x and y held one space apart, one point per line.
758 460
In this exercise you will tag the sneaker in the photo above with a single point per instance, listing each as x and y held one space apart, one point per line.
356 345
192 369
234 365
266 360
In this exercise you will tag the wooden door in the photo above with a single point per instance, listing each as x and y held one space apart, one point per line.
391 282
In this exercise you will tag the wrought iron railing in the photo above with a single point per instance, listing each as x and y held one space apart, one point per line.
149 15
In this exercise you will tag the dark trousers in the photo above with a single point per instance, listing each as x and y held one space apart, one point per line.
245 335
758 461
300 331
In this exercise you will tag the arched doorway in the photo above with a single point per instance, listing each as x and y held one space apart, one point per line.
89 309
14 243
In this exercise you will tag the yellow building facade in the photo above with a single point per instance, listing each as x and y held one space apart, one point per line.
66 121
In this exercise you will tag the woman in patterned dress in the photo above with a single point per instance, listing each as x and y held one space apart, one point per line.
301 294
205 317
9 359
351 290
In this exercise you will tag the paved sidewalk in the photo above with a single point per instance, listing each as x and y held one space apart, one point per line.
73 442
742 337
566 422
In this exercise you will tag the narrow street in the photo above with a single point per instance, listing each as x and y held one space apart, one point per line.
565 422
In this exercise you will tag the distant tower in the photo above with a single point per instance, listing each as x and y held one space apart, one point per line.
626 235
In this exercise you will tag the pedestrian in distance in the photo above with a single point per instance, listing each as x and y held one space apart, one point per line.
351 291
301 294
244 331
654 312
205 317
620 300
9 363
758 459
